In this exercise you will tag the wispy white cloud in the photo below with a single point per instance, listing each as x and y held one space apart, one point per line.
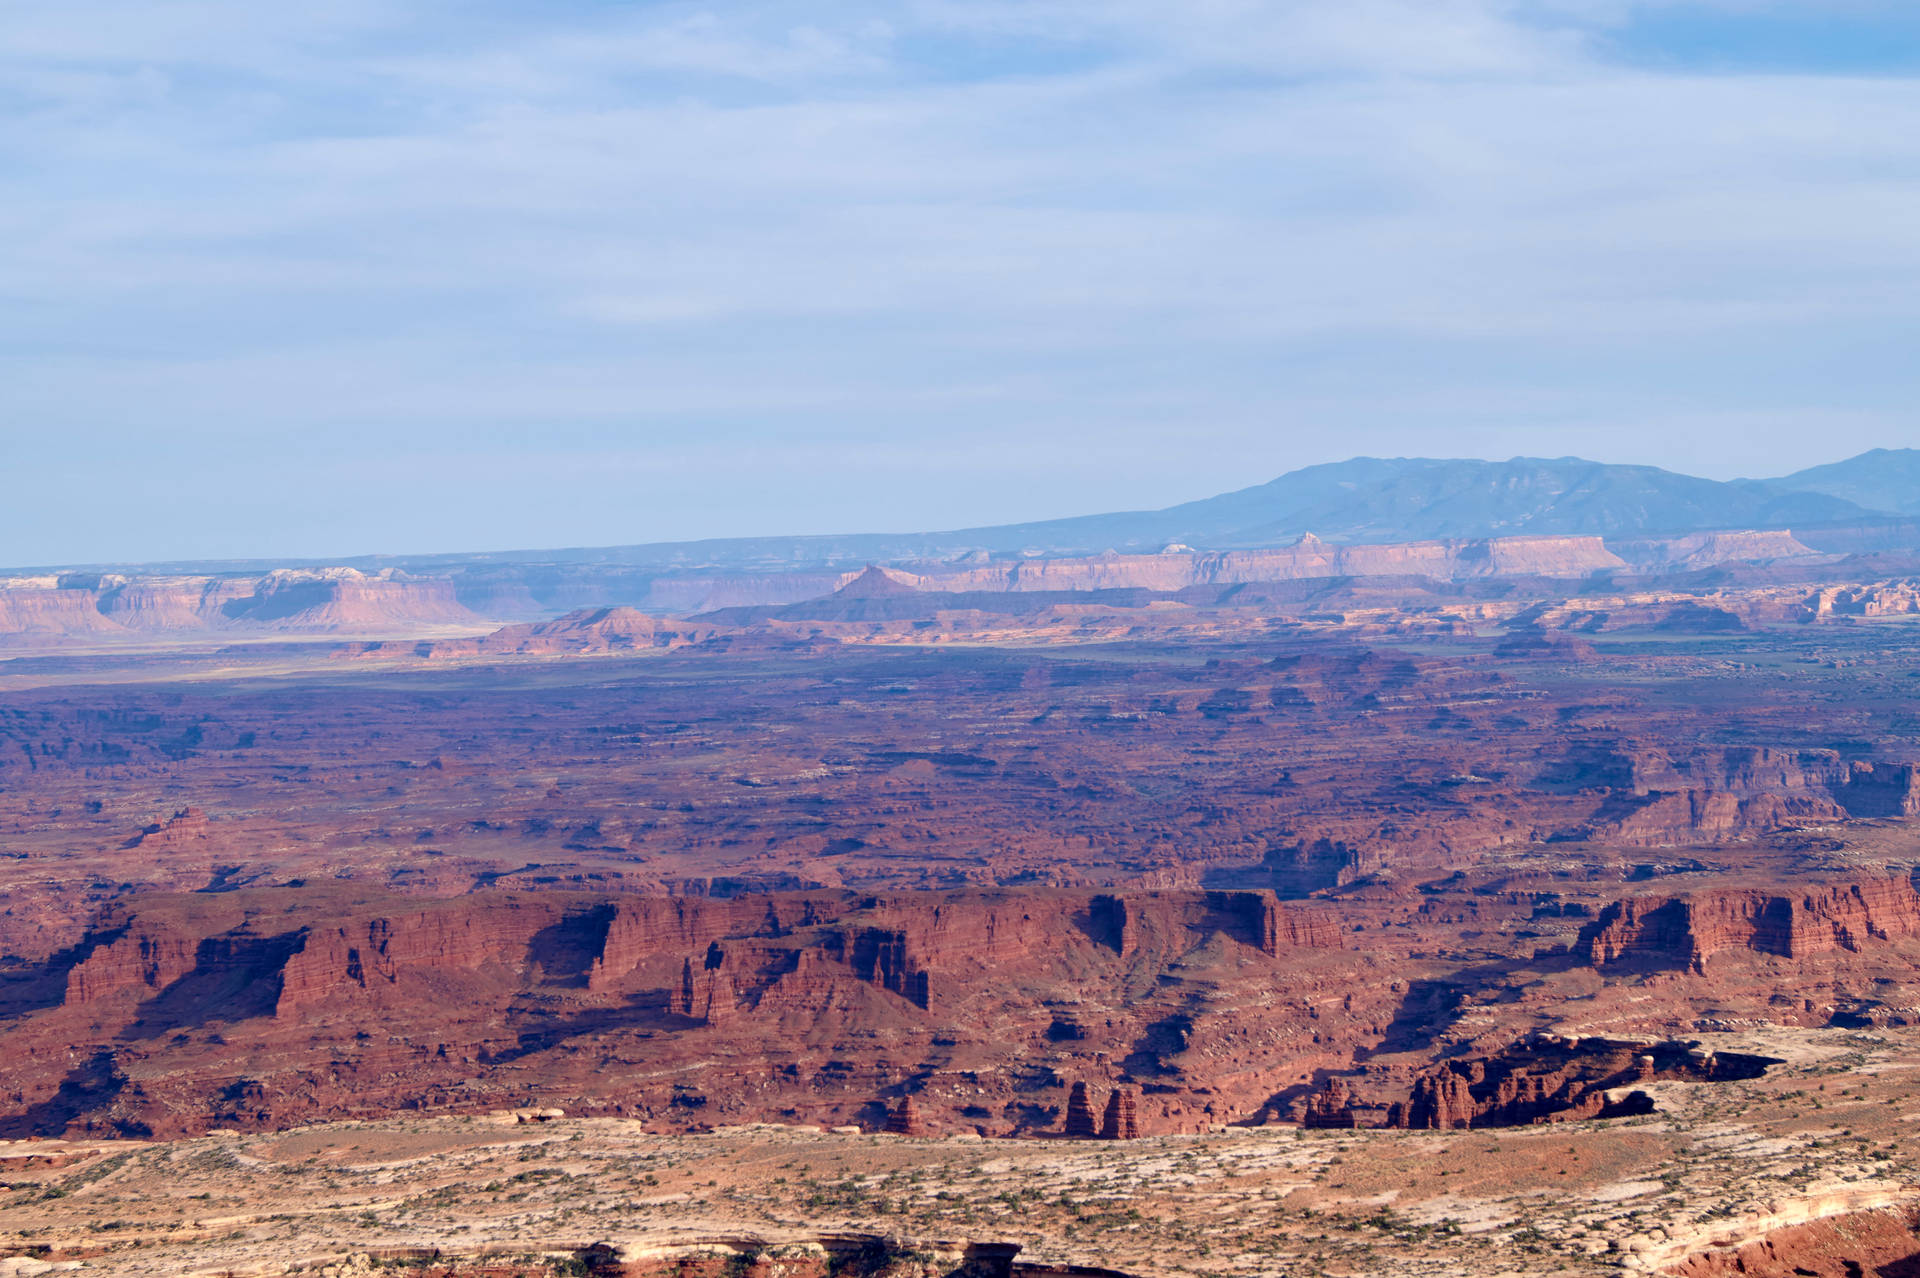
1304 227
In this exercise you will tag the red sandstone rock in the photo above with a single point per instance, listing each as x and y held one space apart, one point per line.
713 997
1882 790
1543 1079
1120 1121
1441 1101
294 978
1080 1122
1331 1106
327 600
38 608
130 958
185 828
683 1000
905 1119
565 862
1255 918
1688 930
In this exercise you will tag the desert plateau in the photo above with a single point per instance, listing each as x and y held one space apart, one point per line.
1531 904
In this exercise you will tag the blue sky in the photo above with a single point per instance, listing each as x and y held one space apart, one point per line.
332 279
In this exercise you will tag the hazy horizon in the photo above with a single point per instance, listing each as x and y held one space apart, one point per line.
308 283
831 533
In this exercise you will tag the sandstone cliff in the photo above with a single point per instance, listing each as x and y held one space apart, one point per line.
1156 920
332 999
317 601
1688 931
1309 558
1706 549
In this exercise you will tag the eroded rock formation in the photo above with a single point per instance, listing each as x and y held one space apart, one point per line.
288 988
905 1120
1120 1121
1080 1122
1687 931
1546 1078
1142 920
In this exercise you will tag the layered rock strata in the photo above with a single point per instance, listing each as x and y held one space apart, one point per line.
1080 1122
905 1119
1121 1121
1690 930
326 601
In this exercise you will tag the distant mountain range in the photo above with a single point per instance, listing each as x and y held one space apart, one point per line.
1369 517
1869 502
1416 499
1886 479
1364 500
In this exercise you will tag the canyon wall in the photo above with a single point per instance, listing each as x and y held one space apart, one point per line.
1689 930
982 1007
262 1005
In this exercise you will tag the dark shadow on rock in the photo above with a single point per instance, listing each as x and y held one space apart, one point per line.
647 1010
1168 1036
1431 1007
88 1089
45 984
565 950
235 977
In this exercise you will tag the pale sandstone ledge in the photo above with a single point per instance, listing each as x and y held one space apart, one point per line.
1178 568
1642 1254
341 600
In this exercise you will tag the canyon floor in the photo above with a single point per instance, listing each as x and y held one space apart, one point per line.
1386 926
